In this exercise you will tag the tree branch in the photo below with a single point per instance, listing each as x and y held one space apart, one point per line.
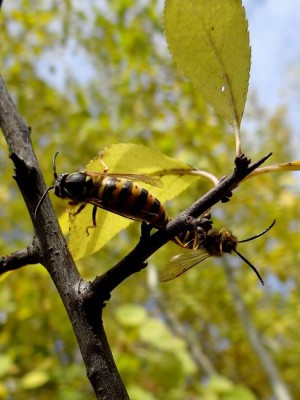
21 258
82 305
135 260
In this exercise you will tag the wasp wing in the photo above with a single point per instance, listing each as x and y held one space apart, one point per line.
143 215
181 263
150 180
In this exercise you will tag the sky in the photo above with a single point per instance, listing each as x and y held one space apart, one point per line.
275 41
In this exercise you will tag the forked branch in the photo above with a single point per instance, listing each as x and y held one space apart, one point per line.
135 260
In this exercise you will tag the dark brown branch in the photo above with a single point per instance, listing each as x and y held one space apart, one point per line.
21 258
135 260
84 315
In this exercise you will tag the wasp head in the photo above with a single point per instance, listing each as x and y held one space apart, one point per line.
219 241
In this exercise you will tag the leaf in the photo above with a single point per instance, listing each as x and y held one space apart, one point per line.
137 393
155 333
209 41
239 392
6 365
125 158
130 315
220 384
35 379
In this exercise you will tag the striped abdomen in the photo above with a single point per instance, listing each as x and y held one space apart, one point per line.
128 199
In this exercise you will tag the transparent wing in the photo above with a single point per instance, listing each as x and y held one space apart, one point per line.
150 180
145 215
181 263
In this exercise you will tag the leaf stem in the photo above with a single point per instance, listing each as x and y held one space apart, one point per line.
285 167
196 172
237 133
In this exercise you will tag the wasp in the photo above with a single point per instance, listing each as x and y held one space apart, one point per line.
117 193
214 243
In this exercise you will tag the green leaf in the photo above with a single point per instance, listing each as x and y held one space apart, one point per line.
209 41
220 384
6 365
131 315
126 158
239 392
137 393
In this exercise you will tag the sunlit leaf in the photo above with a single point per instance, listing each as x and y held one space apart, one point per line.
130 315
155 333
126 158
209 41
137 393
35 379
238 393
220 384
6 365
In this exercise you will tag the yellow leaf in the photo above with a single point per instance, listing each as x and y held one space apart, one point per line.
209 41
126 158
35 379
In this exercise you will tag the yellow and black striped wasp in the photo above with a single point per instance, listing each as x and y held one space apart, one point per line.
115 192
213 243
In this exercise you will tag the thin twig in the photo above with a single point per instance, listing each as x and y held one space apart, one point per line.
21 258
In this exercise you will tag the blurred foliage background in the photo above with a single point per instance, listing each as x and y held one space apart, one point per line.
84 77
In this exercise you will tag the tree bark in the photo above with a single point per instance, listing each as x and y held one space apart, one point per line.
82 305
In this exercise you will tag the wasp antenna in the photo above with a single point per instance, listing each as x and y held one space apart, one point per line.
41 200
250 265
260 234
54 165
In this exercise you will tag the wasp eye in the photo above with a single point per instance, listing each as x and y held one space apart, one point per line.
228 247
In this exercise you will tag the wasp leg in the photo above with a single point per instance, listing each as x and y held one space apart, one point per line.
94 212
105 166
188 241
183 242
80 208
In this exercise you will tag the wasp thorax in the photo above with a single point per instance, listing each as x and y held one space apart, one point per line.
72 186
